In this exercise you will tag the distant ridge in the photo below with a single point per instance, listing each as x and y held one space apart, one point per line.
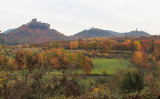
95 32
9 30
37 32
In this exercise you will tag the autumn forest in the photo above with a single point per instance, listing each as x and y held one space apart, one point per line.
79 49
115 67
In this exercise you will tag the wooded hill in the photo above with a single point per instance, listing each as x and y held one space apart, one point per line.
35 31
95 32
32 32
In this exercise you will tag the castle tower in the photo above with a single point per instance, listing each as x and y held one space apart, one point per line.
34 20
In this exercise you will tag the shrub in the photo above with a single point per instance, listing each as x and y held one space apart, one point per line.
132 82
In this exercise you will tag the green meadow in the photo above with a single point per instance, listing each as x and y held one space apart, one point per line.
110 65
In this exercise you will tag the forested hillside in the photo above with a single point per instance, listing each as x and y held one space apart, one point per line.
34 31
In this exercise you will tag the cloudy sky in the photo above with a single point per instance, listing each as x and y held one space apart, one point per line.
72 16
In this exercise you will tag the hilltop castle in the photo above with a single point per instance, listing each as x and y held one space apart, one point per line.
38 25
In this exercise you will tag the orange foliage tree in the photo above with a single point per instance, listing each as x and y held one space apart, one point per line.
74 45
57 58
20 59
85 63
140 59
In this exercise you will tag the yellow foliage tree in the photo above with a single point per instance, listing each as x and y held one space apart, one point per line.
4 62
137 45
13 64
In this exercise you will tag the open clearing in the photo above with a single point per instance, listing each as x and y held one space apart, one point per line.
110 65
101 64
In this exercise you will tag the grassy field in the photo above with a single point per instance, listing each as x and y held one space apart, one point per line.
110 65
33 49
100 65
75 51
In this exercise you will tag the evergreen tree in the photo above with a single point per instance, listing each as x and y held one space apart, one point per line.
132 82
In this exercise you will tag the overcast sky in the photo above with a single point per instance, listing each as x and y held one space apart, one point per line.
72 16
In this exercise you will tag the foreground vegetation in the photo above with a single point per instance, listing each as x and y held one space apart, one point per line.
121 68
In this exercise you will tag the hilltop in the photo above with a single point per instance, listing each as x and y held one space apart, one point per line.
95 32
137 33
34 31
37 32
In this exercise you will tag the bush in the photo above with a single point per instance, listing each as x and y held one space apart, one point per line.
132 82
